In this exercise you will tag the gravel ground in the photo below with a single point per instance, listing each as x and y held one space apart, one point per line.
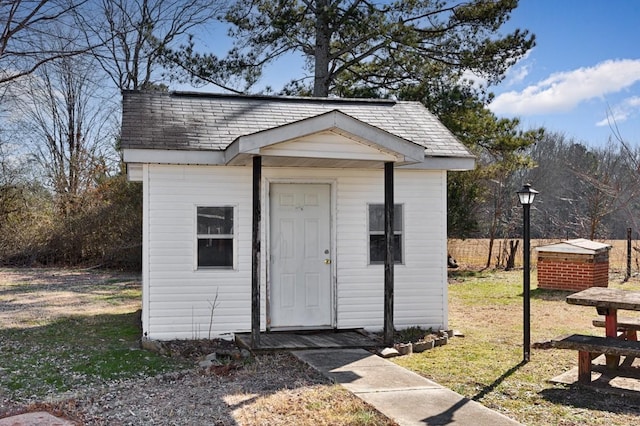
258 390
219 396
194 397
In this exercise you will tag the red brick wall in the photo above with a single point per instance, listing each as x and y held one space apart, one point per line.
572 272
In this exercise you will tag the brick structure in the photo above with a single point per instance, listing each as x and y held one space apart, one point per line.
573 265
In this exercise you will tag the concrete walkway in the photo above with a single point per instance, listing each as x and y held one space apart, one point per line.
39 418
402 395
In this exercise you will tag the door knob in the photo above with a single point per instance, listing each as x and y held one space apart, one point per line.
327 261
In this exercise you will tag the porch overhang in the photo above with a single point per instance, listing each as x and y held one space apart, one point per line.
332 139
135 158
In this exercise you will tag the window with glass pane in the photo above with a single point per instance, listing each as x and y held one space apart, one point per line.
215 237
376 233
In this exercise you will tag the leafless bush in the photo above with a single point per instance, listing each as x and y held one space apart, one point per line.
105 230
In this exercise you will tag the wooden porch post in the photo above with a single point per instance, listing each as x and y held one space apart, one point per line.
255 254
389 253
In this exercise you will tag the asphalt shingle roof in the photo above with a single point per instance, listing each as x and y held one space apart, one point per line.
199 121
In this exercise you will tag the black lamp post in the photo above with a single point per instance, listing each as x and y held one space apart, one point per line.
526 196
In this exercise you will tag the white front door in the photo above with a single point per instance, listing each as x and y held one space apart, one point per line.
300 256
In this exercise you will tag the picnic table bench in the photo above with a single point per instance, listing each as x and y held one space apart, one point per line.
628 327
607 302
590 347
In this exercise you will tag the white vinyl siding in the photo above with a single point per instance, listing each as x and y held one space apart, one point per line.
180 296
177 297
420 283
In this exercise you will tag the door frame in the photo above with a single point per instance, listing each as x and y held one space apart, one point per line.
332 244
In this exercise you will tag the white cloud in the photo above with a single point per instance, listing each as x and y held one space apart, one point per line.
518 72
473 78
621 112
514 75
634 101
561 92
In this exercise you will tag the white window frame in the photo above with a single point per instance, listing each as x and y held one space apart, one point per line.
233 237
399 232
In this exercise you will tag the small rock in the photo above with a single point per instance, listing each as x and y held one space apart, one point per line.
422 346
388 353
209 361
404 348
441 341
458 333
228 352
153 346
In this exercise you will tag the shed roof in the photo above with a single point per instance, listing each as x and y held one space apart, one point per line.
577 246
202 121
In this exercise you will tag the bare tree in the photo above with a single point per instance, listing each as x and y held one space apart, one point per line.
9 186
585 189
26 28
604 190
68 125
132 36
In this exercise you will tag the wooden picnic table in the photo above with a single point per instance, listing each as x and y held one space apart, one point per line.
607 302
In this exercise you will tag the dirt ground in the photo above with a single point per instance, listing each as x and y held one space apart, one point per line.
273 389
31 296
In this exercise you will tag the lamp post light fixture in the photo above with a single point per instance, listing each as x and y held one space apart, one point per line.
526 196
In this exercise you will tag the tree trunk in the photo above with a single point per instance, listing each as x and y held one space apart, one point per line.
321 54
511 259
491 239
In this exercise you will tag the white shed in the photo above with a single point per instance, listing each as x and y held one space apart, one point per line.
268 213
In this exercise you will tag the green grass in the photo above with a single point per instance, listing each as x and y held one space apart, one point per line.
73 352
115 295
486 365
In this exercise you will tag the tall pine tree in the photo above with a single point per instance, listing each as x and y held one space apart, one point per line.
378 44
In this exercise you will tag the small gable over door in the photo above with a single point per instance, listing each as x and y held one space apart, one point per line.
328 145
334 136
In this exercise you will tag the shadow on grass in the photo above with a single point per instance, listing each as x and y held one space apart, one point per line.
447 417
463 273
550 295
31 280
35 294
488 389
593 399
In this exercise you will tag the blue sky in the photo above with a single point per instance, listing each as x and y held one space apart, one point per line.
584 70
